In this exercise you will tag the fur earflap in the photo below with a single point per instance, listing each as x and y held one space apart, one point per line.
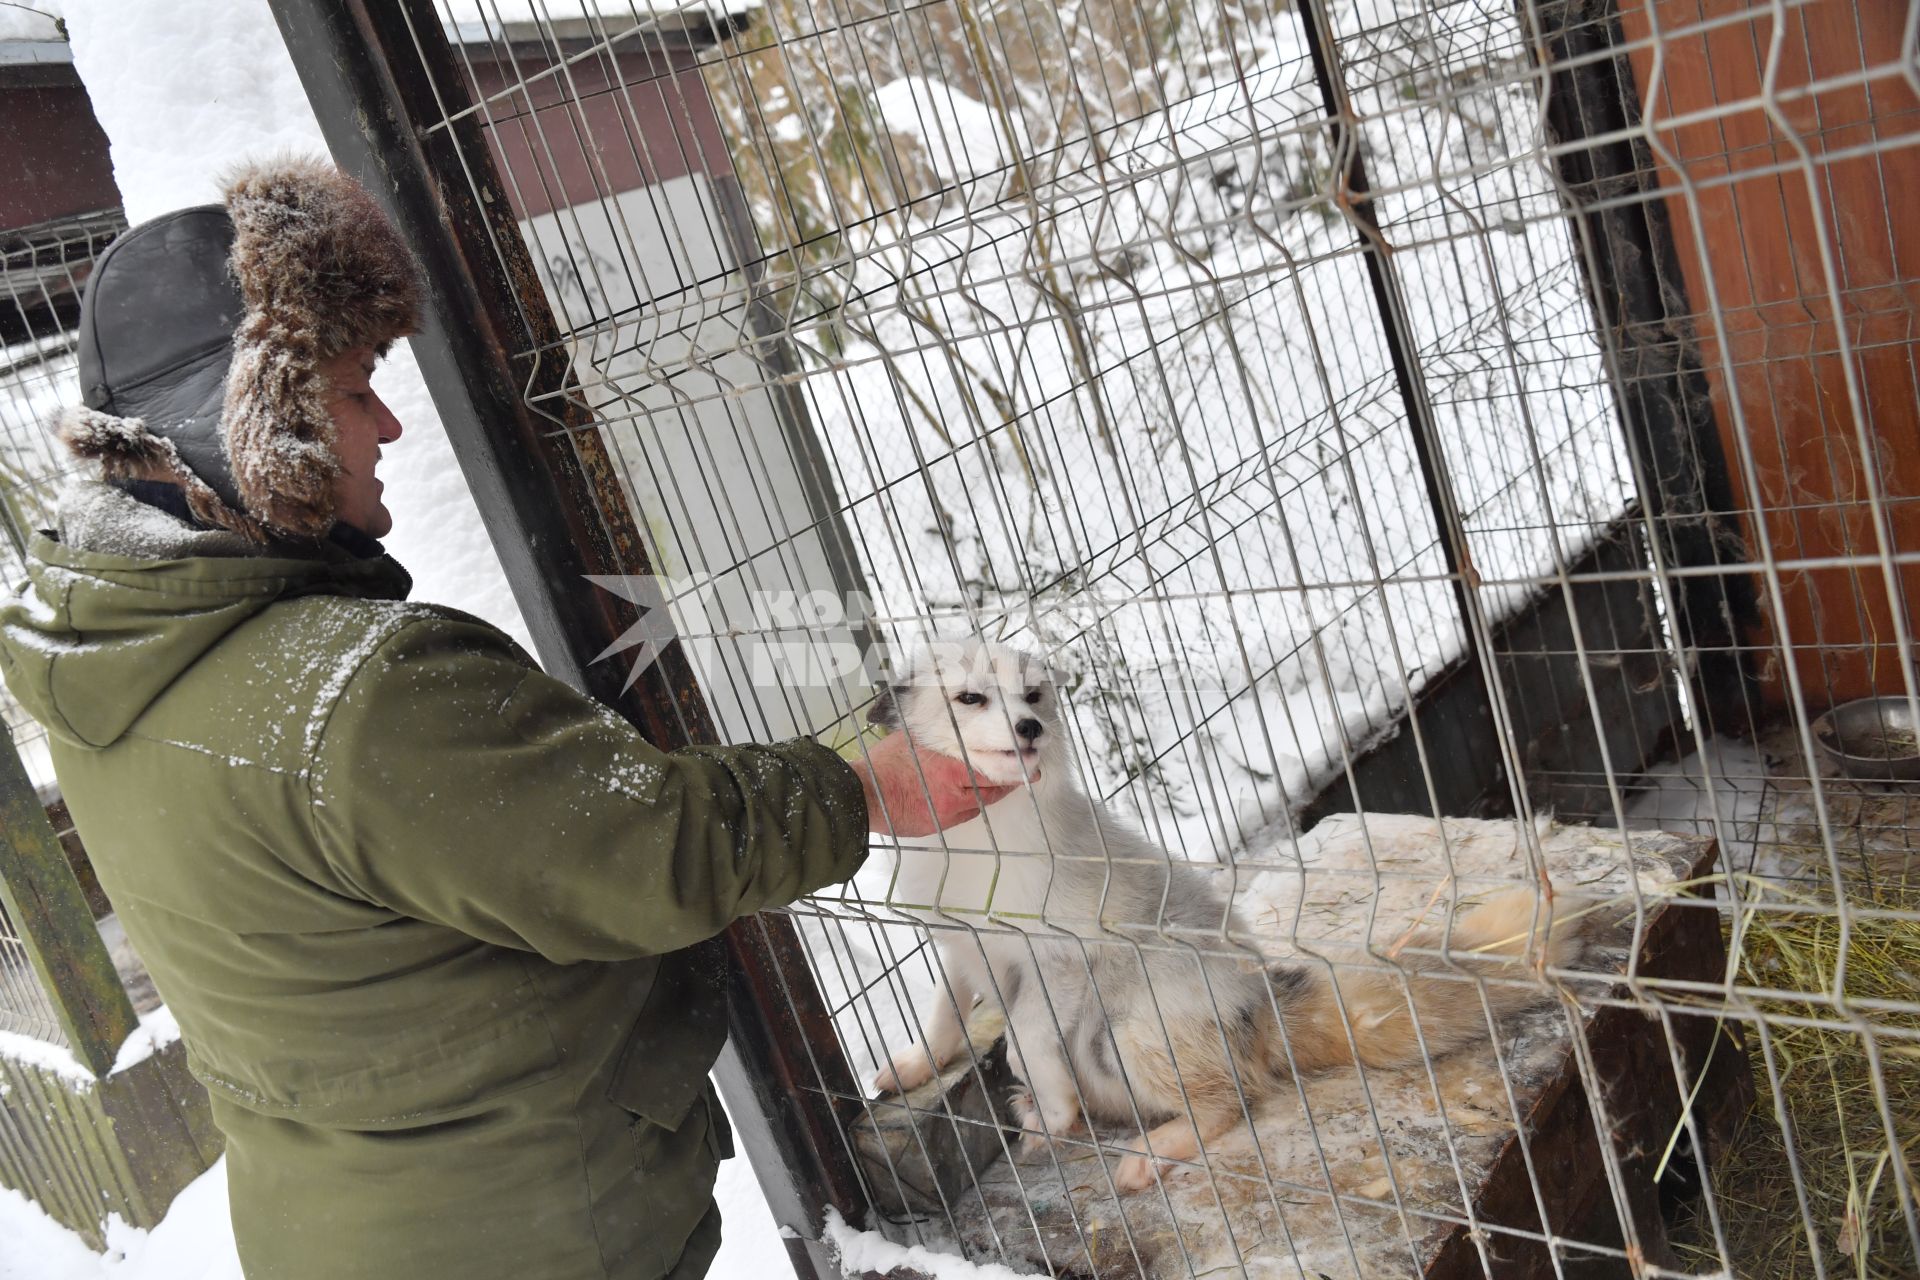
280 435
322 271
315 254
126 450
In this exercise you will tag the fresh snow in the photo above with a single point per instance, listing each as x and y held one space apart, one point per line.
195 1240
54 1058
156 1031
961 136
862 1251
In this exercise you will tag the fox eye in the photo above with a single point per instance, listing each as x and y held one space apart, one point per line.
1033 697
971 699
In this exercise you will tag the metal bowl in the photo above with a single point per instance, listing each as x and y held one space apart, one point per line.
1871 738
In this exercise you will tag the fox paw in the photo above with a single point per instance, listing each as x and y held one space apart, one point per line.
909 1069
1033 1137
1036 1127
1136 1173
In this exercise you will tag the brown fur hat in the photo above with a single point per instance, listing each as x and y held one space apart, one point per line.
233 380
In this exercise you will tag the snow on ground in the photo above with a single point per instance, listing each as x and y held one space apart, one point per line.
861 1252
1719 792
195 1240
1758 800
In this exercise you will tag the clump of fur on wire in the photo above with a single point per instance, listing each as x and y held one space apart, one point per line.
1121 993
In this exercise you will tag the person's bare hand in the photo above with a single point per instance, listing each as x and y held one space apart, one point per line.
909 799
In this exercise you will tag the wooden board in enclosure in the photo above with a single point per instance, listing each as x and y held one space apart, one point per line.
1370 1178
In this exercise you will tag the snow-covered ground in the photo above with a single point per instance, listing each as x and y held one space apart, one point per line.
195 1241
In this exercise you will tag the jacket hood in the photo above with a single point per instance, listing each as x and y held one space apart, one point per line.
123 597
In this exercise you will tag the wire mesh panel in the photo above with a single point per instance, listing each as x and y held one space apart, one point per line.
41 270
1214 419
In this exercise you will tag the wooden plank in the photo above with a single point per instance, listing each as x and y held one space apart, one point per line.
83 1133
53 1184
1725 101
1642 1108
161 1151
188 1098
1314 1180
124 1145
56 924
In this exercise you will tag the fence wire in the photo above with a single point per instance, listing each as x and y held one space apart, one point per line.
42 269
1400 405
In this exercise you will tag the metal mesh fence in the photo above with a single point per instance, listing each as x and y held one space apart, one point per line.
42 268
1403 406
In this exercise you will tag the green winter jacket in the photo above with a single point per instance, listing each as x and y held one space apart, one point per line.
423 912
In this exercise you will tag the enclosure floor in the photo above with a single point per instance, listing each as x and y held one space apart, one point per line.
1351 1175
1761 798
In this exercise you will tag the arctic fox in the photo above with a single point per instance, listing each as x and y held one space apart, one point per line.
1111 960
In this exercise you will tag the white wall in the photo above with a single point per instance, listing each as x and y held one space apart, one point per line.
185 91
694 429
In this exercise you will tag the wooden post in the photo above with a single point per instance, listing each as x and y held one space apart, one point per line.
55 923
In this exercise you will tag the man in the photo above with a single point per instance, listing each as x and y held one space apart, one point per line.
432 923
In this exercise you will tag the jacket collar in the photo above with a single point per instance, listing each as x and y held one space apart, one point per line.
172 500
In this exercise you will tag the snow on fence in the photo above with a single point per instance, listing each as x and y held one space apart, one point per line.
1393 407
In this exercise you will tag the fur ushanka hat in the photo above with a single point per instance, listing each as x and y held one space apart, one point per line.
201 337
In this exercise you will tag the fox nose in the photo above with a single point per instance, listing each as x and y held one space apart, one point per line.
1028 729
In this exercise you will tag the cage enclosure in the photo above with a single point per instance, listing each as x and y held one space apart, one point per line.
1439 451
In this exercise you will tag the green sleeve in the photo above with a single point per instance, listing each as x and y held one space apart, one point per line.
455 784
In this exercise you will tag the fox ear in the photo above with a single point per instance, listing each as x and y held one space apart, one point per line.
885 709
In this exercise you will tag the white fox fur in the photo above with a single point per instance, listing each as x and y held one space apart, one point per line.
1123 995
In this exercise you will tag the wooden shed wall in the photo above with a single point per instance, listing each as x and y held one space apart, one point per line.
1771 142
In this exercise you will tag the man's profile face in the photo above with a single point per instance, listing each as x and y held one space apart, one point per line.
362 423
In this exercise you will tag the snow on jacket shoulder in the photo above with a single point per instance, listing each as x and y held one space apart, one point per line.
456 784
431 922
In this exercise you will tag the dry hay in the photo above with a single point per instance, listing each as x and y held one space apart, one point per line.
1821 1085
